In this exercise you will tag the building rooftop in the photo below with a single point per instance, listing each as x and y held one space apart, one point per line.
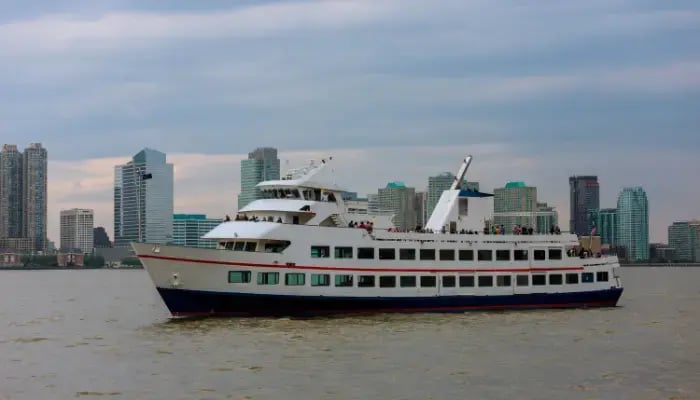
395 184
515 184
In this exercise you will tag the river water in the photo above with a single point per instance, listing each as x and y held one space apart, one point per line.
105 334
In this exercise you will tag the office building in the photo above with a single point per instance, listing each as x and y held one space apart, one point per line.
421 208
143 199
77 227
515 204
633 223
584 194
11 193
188 230
261 165
605 221
34 210
438 184
400 201
684 238
546 217
101 238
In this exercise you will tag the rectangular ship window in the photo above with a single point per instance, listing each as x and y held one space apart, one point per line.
239 277
427 254
485 281
407 254
601 276
540 255
268 278
587 277
539 280
387 254
238 246
502 255
503 280
555 254
250 246
343 280
571 279
466 255
449 281
447 255
428 281
522 280
407 281
295 279
320 280
343 252
387 281
365 253
485 255
365 281
466 281
320 251
520 255
555 279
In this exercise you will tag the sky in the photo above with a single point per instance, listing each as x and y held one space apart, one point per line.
536 91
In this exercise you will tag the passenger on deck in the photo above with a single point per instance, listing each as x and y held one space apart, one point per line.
227 219
238 217
279 220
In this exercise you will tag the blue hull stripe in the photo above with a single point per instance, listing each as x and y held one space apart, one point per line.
192 303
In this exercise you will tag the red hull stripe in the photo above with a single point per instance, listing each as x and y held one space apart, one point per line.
413 309
341 268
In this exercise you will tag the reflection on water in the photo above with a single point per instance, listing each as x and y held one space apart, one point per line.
106 334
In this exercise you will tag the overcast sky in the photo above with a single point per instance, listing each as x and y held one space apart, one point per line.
395 90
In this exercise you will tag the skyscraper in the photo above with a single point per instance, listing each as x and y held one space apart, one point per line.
633 223
421 208
515 204
547 217
261 165
34 210
188 230
11 194
684 238
606 225
438 184
584 194
77 227
101 239
399 200
143 199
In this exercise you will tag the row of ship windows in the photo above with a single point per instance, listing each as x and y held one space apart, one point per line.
389 281
368 253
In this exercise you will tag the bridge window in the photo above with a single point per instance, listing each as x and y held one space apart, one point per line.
485 255
365 281
466 281
239 276
486 281
320 280
466 255
387 281
520 255
555 279
555 254
522 280
428 281
365 253
239 246
601 276
228 245
295 279
449 281
407 281
503 255
539 280
268 278
387 254
343 252
343 280
587 277
447 254
320 251
427 254
250 246
503 280
407 254
571 279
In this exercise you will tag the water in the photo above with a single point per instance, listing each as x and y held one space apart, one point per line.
106 335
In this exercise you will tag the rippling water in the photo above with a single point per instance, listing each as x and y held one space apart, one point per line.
106 335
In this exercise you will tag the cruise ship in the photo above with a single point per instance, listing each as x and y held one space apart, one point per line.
303 250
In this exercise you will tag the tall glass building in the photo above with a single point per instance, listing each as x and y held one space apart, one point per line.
684 238
143 199
515 204
11 202
399 200
189 228
261 165
584 193
34 175
606 225
633 223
